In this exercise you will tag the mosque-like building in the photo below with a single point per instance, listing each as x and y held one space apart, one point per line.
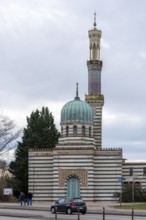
79 165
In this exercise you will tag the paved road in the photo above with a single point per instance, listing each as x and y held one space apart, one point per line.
23 214
39 211
74 217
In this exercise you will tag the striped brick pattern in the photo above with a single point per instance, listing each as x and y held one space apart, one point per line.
97 126
107 171
138 172
67 162
103 168
40 174
97 120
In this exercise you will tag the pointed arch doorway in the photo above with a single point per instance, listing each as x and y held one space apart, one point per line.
73 187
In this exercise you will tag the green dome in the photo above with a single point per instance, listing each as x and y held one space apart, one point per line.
76 111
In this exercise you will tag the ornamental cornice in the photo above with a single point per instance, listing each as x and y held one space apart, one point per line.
94 62
94 66
83 147
73 152
40 153
40 149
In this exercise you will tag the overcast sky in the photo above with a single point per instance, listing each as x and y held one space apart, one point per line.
44 48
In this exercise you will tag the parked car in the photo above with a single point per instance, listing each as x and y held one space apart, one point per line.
69 205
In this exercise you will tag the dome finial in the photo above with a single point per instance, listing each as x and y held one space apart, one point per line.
77 97
94 24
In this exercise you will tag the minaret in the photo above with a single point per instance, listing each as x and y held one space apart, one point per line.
94 97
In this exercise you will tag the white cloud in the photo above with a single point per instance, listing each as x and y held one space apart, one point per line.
142 55
105 44
44 49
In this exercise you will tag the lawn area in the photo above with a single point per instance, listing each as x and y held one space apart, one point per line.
137 206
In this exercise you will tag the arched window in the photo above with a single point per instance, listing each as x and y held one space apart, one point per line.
67 131
94 52
90 131
83 131
74 131
61 131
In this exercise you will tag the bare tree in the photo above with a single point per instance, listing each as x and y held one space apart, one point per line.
6 179
8 134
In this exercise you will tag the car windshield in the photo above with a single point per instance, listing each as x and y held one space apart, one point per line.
78 200
61 201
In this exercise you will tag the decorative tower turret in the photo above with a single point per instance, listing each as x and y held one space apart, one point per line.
94 97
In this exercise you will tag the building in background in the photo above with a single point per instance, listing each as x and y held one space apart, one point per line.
79 165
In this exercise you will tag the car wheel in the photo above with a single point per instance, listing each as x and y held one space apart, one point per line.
83 213
53 210
69 211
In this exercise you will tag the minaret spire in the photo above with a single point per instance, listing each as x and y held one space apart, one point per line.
77 93
94 24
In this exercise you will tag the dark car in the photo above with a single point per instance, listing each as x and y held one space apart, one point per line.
69 205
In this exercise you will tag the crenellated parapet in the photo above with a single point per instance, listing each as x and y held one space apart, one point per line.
106 152
41 149
112 149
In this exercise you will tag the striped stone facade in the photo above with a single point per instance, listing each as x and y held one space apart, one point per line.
96 103
40 174
97 125
107 170
134 172
97 171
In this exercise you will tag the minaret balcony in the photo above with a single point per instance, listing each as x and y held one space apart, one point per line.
99 98
97 62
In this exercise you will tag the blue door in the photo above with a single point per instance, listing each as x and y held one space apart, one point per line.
73 187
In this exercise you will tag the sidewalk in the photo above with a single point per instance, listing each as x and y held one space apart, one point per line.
46 205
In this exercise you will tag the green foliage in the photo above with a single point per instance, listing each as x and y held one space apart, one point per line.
135 206
19 169
128 192
39 133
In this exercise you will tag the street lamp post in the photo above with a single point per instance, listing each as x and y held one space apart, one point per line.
120 180
133 186
121 195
